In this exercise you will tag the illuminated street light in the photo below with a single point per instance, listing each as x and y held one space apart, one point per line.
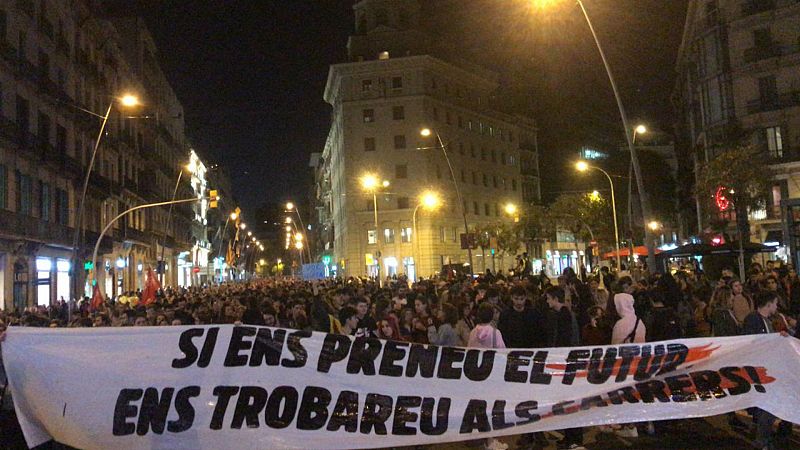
129 100
641 129
298 237
583 166
249 233
654 225
242 226
289 206
234 216
298 245
288 228
594 196
430 200
425 132
287 220
510 209
369 182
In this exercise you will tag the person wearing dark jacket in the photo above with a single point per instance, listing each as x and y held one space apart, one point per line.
759 322
520 325
564 336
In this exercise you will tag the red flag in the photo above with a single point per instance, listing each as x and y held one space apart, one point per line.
97 298
151 286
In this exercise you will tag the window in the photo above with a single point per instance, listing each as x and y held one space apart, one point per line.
405 235
496 210
513 184
503 158
494 156
471 150
475 208
435 113
768 89
400 141
486 209
43 268
494 181
474 178
774 142
762 38
397 83
398 113
3 25
463 176
366 85
388 235
454 236
433 84
44 201
381 17
461 148
402 203
510 136
369 144
370 205
61 140
369 115
485 181
442 234
512 160
44 127
438 172
460 122
371 237
3 187
62 207
401 171
447 118
483 154
24 189
383 55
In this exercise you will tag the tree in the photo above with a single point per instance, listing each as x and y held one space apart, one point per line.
582 215
738 180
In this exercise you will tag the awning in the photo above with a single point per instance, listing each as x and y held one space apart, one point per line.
625 252
774 237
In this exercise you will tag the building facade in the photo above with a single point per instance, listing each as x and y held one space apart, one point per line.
62 65
739 68
392 88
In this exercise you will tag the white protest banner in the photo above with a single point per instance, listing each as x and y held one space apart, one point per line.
211 387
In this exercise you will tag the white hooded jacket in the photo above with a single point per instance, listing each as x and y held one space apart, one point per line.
624 326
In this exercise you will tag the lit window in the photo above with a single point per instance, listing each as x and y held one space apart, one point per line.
774 142
383 55
388 235
369 115
405 234
371 237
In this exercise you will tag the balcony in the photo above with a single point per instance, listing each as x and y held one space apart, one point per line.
137 236
762 52
99 182
751 7
20 226
787 100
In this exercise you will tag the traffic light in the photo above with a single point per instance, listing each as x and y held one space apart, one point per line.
213 198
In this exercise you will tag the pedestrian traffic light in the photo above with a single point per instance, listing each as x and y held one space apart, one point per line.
214 198
87 265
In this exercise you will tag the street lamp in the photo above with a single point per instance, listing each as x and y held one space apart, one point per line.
428 200
291 207
583 166
127 101
371 183
654 225
427 132
242 226
643 198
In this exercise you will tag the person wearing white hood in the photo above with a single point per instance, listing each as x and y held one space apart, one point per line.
629 329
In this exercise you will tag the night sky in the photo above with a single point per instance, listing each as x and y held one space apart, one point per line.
251 74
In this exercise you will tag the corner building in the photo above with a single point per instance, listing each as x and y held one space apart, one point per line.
391 89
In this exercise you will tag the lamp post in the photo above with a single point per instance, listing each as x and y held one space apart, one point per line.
127 101
428 200
128 211
291 207
583 166
643 198
371 184
426 132
169 219
232 216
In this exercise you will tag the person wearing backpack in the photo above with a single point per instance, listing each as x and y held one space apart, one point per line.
629 329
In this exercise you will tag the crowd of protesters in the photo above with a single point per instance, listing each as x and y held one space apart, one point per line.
491 311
